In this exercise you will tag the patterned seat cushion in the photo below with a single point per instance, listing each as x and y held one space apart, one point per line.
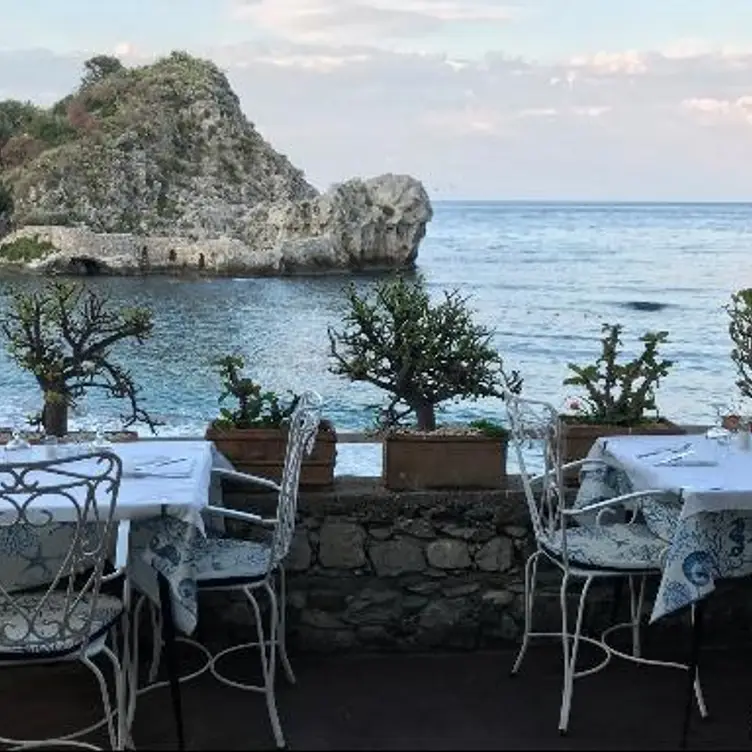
50 636
619 546
229 559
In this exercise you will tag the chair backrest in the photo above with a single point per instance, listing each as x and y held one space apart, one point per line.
37 500
536 434
301 437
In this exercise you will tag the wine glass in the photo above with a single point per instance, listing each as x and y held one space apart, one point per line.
17 440
718 433
100 437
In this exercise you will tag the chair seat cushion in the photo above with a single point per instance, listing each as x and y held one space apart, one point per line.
619 546
217 559
50 636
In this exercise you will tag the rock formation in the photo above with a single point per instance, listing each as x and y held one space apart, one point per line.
156 169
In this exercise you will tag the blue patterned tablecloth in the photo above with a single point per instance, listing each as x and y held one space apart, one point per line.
702 548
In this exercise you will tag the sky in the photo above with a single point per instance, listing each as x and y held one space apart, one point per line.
480 99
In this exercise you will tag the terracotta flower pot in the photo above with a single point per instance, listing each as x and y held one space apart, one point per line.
430 460
261 451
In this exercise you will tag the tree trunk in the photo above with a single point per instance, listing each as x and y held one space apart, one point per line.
55 418
426 417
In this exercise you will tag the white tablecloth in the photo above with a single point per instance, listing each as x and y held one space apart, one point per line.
156 474
163 504
713 478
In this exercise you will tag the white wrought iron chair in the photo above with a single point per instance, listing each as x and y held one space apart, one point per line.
66 618
598 547
229 564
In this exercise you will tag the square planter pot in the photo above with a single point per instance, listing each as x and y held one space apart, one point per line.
578 438
261 451
424 461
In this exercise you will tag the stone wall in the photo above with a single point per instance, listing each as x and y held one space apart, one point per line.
377 570
371 569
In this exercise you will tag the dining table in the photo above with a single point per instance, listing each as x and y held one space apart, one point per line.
705 517
164 488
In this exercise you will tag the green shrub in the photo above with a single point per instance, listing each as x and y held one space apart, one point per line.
256 408
620 393
98 68
26 249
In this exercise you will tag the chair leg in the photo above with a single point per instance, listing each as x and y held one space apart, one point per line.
570 658
135 657
168 636
531 575
636 600
156 629
115 740
283 627
267 651
694 690
128 667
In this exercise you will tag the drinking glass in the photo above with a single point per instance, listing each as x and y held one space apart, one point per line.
17 440
720 436
100 437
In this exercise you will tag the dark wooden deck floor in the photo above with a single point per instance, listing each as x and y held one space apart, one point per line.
416 702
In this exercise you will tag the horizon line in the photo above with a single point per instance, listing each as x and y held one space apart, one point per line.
594 201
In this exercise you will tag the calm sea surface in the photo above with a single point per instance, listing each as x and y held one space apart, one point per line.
544 276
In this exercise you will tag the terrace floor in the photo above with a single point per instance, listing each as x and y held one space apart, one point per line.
410 702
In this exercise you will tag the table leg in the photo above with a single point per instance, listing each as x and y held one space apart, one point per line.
692 667
168 638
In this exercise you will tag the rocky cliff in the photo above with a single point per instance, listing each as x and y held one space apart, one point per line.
157 169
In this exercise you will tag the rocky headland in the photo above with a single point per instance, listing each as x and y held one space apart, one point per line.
157 170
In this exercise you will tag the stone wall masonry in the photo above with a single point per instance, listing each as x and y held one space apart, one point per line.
371 569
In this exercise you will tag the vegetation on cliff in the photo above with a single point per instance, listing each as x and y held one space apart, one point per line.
157 149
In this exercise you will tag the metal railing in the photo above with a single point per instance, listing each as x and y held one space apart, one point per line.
361 437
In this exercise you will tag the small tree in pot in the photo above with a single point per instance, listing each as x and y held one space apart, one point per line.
619 396
253 435
421 353
256 408
740 332
64 335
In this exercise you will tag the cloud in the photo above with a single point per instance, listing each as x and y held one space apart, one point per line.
711 110
375 22
634 124
631 63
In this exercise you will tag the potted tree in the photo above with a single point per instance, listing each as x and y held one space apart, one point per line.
64 335
740 332
253 436
424 354
619 397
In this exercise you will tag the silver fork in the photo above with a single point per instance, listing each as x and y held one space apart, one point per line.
663 450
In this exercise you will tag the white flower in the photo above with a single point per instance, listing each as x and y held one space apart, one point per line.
88 366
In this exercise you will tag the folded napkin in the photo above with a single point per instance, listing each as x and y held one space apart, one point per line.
163 467
687 462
